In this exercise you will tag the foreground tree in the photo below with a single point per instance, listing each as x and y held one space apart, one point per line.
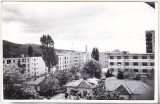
13 83
120 74
30 51
108 74
93 68
50 86
95 54
63 77
48 52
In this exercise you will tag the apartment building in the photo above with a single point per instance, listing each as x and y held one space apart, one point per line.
104 57
138 62
67 59
34 66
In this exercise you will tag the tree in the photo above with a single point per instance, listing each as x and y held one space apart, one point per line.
30 51
13 83
95 54
93 68
50 85
120 74
108 74
63 77
12 74
48 52
101 93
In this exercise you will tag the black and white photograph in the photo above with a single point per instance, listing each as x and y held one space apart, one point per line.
55 51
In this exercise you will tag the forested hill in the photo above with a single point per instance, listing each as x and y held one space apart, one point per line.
11 49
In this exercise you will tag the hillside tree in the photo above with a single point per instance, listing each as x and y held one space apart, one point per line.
48 52
30 51
95 54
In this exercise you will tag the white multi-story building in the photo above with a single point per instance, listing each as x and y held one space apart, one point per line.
104 57
138 62
72 58
34 66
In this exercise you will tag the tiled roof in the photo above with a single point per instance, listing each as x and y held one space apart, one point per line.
36 82
132 86
80 83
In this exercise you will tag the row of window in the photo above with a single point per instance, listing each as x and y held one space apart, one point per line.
14 61
135 70
134 63
127 57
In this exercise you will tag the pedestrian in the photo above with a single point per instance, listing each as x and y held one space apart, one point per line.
66 95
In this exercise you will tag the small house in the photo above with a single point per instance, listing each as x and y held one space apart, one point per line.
129 89
82 86
36 83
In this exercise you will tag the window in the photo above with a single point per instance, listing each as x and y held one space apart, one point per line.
126 57
8 61
111 57
135 57
135 63
111 63
145 70
24 65
135 70
3 61
152 64
126 63
126 69
119 63
144 57
13 61
28 70
151 57
28 65
118 57
23 60
28 60
144 64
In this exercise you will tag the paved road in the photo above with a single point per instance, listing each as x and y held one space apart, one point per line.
59 97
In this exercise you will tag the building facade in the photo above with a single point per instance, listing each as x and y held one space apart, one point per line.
34 66
137 62
72 58
104 57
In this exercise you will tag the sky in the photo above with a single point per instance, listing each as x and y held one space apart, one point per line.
72 25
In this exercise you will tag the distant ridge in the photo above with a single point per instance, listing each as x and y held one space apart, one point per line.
14 50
